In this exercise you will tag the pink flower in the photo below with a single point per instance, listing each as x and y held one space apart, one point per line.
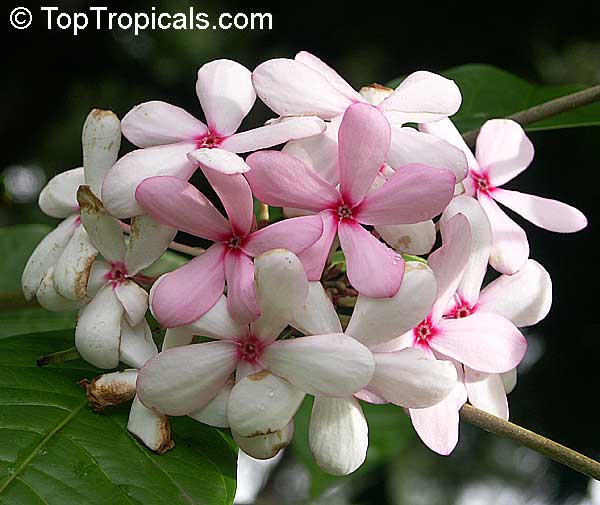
167 134
503 151
182 296
414 193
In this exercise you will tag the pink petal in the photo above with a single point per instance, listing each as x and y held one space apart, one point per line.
449 261
296 234
374 269
503 150
482 341
413 194
291 88
158 123
486 392
219 160
118 190
241 295
510 248
364 142
330 74
445 130
225 91
548 214
182 296
274 134
236 196
178 204
279 179
315 257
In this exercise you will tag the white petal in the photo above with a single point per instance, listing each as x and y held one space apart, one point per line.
99 275
509 380
176 337
217 323
46 254
265 446
417 238
148 240
215 413
134 300
375 93
486 392
262 403
98 331
339 435
281 287
523 298
378 320
72 269
328 365
220 160
110 389
137 345
101 140
445 130
48 297
59 196
317 315
409 378
150 428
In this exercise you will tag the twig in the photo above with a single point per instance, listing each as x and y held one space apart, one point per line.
263 215
58 357
546 110
524 437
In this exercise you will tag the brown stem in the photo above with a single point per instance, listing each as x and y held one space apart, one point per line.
546 110
522 436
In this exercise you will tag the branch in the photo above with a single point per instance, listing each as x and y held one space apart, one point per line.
522 436
546 110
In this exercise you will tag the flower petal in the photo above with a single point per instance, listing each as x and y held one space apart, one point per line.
375 321
265 446
338 435
217 323
543 212
375 93
315 257
59 196
158 123
279 179
413 194
137 345
215 412
317 315
262 403
292 88
134 300
118 190
274 134
150 428
328 365
176 203
373 269
421 98
503 150
185 379
481 244
98 331
46 254
103 230
241 295
486 392
411 146
510 248
185 294
50 299
101 140
148 240
416 238
364 142
482 341
523 298
219 160
176 337
281 287
225 91
445 130
409 378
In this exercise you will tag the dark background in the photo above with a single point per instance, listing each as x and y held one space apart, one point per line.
50 80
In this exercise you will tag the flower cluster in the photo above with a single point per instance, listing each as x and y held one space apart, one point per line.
251 323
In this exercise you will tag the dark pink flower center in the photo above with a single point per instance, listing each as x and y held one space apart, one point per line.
209 141
462 310
482 182
235 242
250 349
344 211
423 333
118 272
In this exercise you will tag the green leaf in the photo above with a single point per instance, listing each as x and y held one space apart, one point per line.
170 260
389 432
489 92
54 450
35 319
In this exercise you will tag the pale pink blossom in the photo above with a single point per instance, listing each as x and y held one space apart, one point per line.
414 193
173 142
182 296
503 151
